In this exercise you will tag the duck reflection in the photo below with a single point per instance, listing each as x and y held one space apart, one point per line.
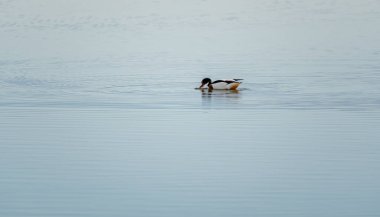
219 96
207 92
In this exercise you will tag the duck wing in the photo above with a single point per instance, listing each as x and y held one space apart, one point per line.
227 81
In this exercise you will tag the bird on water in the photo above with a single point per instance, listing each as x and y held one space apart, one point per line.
224 84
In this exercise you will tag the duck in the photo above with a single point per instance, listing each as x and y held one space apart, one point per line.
224 84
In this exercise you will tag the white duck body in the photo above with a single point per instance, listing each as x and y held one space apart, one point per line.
224 84
228 84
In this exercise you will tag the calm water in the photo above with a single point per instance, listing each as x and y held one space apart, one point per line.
99 115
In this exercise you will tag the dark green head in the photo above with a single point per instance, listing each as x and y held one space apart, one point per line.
205 81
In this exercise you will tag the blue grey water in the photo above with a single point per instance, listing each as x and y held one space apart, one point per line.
99 115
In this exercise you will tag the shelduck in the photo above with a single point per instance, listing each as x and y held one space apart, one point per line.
225 84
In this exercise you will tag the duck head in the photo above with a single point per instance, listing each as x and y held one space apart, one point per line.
205 81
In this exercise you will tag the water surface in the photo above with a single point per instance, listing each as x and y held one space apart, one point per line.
99 115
